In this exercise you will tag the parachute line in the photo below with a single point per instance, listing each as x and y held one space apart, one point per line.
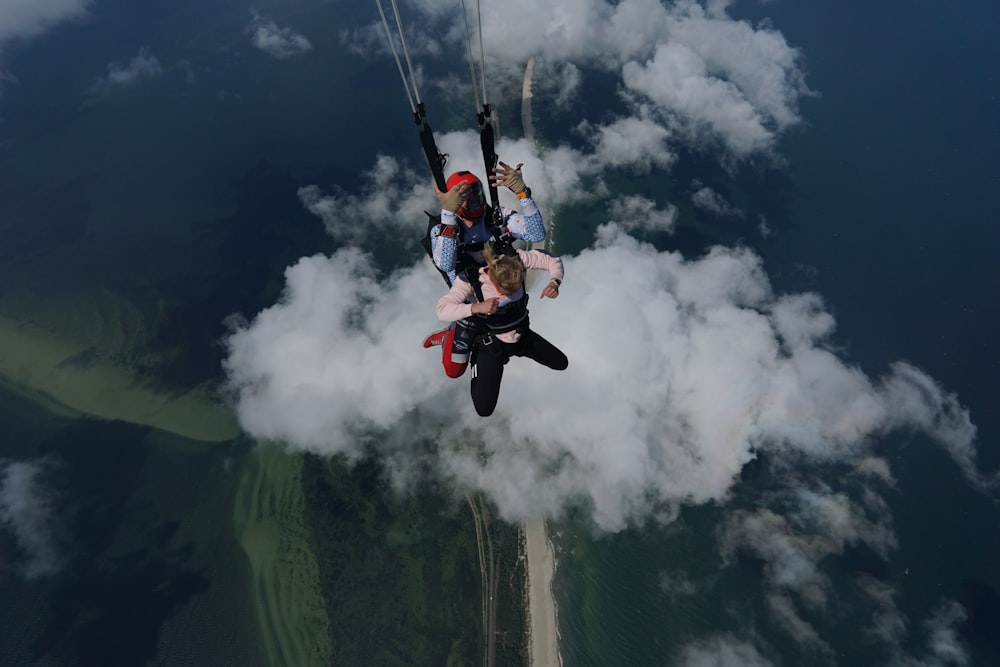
399 64
472 61
482 56
412 91
406 52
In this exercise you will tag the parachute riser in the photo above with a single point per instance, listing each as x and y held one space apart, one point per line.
435 159
490 159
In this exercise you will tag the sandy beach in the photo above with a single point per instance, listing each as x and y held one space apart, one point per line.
56 372
543 635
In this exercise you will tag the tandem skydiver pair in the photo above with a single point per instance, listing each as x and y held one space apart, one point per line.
471 243
487 304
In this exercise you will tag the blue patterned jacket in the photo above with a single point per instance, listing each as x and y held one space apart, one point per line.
526 225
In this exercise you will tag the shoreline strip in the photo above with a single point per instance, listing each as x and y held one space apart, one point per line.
543 635
543 627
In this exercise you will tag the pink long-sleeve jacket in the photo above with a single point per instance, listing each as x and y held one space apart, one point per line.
457 303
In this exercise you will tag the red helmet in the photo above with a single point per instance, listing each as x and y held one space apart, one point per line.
475 202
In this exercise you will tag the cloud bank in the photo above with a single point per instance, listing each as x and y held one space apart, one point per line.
681 371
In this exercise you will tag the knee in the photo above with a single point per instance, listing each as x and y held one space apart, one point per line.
454 369
561 363
485 402
454 355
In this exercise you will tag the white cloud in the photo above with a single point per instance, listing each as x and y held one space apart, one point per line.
28 18
394 199
943 644
393 195
877 468
791 621
637 143
709 200
637 212
676 583
699 74
686 369
275 41
763 228
946 647
800 528
757 61
722 651
677 79
818 524
568 80
887 624
142 66
371 39
26 511
917 402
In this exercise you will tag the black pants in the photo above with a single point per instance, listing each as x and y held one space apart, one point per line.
490 360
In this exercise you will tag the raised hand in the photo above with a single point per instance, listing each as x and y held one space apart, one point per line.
508 177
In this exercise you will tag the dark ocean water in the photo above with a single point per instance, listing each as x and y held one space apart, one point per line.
895 177
141 561
888 208
180 195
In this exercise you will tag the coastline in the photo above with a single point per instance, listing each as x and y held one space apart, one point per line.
59 374
543 628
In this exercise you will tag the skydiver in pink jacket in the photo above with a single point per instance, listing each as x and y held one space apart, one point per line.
496 300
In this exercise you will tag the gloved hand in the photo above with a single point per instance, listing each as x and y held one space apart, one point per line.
453 199
509 177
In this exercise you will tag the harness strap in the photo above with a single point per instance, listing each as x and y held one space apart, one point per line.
471 273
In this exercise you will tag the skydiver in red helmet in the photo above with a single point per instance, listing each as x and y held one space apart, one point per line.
456 244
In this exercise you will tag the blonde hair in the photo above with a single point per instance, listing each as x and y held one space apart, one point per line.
506 271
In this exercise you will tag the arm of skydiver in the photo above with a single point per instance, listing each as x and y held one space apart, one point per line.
445 236
454 305
444 244
539 259
527 225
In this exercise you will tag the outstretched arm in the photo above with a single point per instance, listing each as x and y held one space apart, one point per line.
539 259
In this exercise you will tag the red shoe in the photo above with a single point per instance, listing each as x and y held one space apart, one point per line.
436 338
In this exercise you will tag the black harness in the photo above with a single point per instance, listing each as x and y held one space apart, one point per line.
501 239
509 317
478 330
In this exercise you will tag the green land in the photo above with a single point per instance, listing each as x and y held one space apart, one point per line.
341 570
